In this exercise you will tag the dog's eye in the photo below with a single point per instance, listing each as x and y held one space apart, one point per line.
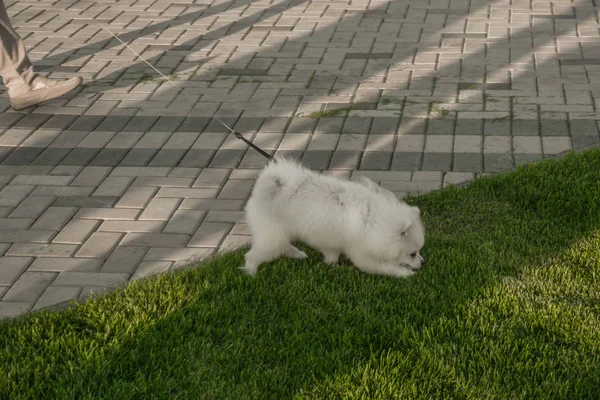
413 255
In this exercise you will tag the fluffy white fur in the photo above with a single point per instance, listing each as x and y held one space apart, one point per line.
377 232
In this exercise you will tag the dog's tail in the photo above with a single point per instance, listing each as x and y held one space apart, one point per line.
279 175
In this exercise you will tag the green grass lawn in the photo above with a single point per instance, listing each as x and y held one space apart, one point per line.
508 306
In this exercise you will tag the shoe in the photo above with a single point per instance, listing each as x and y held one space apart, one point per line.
45 89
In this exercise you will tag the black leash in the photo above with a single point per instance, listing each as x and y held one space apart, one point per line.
249 143
237 134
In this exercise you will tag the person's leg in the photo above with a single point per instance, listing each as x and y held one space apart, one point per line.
25 87
15 67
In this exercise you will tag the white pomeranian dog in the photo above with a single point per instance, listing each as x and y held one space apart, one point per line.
377 232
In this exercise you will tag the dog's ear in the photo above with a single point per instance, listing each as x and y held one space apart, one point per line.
416 211
403 231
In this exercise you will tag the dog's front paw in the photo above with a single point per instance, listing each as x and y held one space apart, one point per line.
248 269
331 258
403 272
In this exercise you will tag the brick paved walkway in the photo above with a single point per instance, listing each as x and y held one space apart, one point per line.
130 177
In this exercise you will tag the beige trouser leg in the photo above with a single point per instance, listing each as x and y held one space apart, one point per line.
15 68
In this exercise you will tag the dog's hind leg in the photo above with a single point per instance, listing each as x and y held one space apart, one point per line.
330 256
380 267
293 252
261 253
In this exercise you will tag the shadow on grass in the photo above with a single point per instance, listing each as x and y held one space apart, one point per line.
215 333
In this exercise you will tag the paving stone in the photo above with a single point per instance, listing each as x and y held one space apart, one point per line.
131 226
22 156
209 234
376 160
51 191
99 245
225 216
138 157
197 158
150 268
439 144
160 209
140 123
32 206
583 128
136 197
527 145
32 121
437 162
13 195
440 127
455 178
142 171
554 127
26 236
76 231
405 161
113 186
60 122
234 242
525 127
10 309
113 123
29 287
345 159
316 159
427 176
467 162
11 268
55 295
253 160
385 125
212 204
236 189
187 193
11 224
357 125
197 124
91 176
8 119
188 254
226 158
497 144
329 125
167 124
410 144
554 145
155 240
124 259
79 156
51 156
87 123
582 142
497 127
468 127
497 162
527 158
101 279
184 221
109 157
108 213
85 201
51 264
167 158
